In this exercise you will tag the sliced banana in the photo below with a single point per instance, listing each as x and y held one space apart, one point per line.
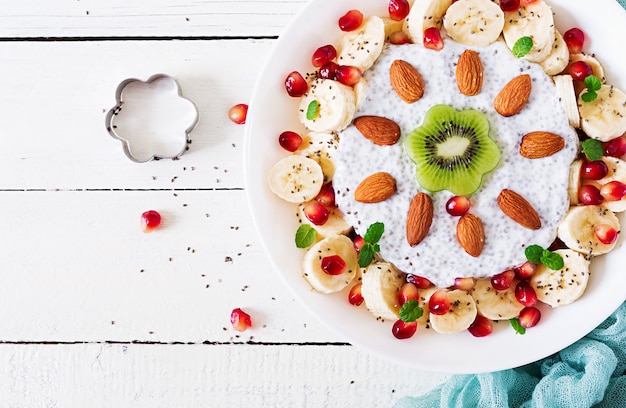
577 230
496 304
564 286
567 96
296 179
558 59
423 15
320 146
604 118
336 106
574 181
596 66
474 22
381 282
391 26
535 21
617 172
312 264
335 225
461 315
360 48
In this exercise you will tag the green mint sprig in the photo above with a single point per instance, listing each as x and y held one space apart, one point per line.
305 236
313 110
411 311
593 149
372 236
522 46
519 329
593 84
536 254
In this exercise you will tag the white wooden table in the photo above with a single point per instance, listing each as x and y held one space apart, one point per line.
93 311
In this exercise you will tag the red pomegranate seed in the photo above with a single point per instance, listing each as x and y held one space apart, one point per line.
529 317
432 39
328 70
509 5
481 327
398 9
458 205
323 54
358 243
579 70
237 114
290 141
594 170
240 320
316 212
351 20
615 147
590 195
574 38
525 271
439 302
354 296
464 283
348 75
333 265
503 280
295 84
605 234
525 294
403 330
613 190
150 220
419 281
399 38
407 292
326 196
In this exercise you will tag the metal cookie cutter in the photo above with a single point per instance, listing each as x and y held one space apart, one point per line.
152 119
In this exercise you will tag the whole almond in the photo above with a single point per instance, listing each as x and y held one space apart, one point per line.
419 218
536 145
380 130
406 81
375 188
518 209
470 234
513 97
469 73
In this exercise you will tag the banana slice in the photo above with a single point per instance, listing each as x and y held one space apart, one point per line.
336 106
320 146
461 315
335 225
496 304
574 181
562 287
381 282
535 21
296 179
423 15
604 118
596 66
474 22
312 264
391 26
361 47
565 89
558 59
617 172
577 230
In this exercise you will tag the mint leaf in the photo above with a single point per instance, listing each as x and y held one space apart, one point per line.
589 96
312 110
593 149
533 253
374 232
593 83
305 236
522 46
517 326
366 255
552 260
411 311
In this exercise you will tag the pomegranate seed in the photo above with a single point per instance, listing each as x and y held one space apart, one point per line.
525 294
419 281
579 70
316 212
355 297
323 55
589 195
398 9
407 292
328 70
615 147
295 84
404 330
481 327
594 170
240 320
150 220
326 196
574 38
348 75
458 205
399 38
503 280
358 243
333 265
432 39
613 191
439 302
237 114
290 141
605 234
525 271
464 283
529 317
509 5
351 20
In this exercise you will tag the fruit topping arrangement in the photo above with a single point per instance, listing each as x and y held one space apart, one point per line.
453 152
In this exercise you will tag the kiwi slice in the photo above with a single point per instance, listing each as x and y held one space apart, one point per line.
452 150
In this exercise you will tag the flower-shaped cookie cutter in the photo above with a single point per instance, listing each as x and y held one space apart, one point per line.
152 119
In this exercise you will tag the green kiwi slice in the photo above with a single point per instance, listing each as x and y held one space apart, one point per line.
452 150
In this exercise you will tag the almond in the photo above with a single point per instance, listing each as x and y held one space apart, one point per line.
419 218
375 188
380 130
469 73
536 145
518 209
406 81
513 97
470 234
